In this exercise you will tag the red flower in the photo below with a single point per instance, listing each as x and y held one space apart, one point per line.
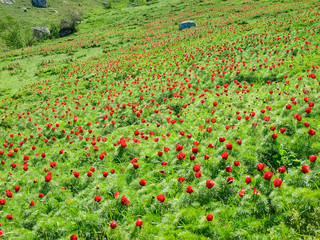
277 182
189 189
41 195
229 146
181 179
48 178
73 237
32 203
198 174
2 201
274 136
124 200
9 193
139 223
181 155
239 141
161 198
76 174
282 169
43 155
113 224
230 180
9 217
105 174
17 188
116 194
255 191
236 163
97 198
312 158
195 149
1 233
210 184
260 166
196 168
224 155
311 132
209 217
248 179
282 130
228 169
89 174
267 175
242 192
305 169
143 182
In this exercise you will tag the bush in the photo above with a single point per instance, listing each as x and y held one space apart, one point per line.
13 34
71 21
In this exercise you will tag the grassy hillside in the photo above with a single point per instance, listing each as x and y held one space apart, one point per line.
132 129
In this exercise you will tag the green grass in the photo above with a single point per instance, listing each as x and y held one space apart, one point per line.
122 54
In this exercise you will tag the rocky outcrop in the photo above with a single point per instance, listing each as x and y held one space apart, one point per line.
187 24
39 3
40 32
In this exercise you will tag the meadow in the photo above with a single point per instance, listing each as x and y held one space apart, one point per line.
132 129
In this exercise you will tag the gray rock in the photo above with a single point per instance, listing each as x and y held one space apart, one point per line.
131 5
187 24
65 32
40 32
9 2
40 3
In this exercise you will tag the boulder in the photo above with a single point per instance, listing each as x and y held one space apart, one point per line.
9 2
65 32
187 24
40 32
40 3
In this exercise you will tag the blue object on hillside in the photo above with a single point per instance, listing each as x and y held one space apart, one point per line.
187 24
40 3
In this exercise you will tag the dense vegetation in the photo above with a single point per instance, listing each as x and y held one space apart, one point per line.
132 129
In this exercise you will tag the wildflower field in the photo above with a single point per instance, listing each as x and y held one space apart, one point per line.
132 129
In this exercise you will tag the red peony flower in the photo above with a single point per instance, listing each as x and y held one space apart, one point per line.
73 237
97 198
2 201
230 180
210 184
242 192
139 223
189 189
124 200
17 188
143 182
76 174
267 175
282 169
224 155
113 224
305 169
161 198
260 166
209 217
248 179
181 179
312 158
48 178
277 182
